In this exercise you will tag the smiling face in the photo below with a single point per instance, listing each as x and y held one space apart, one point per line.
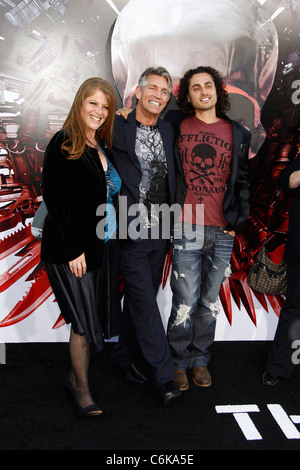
203 94
152 99
94 111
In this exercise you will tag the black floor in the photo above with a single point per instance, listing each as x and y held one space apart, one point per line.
35 414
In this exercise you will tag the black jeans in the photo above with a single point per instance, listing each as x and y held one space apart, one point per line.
282 358
141 267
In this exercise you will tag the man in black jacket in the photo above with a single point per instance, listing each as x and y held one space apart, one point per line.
284 355
143 150
214 156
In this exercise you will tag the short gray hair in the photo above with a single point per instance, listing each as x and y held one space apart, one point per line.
160 71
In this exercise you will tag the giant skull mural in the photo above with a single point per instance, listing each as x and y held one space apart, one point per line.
237 38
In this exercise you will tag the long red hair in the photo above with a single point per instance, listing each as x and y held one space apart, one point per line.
74 125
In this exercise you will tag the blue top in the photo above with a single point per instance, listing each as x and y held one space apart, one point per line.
113 183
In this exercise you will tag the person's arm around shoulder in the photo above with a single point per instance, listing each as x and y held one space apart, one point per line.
124 112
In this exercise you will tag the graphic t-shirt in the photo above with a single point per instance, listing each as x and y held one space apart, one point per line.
206 154
150 151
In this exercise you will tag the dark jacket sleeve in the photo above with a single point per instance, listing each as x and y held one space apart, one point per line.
242 187
237 198
61 200
175 118
285 176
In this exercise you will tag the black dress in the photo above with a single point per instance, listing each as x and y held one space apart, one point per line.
73 190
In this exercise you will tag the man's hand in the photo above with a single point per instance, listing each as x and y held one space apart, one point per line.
294 181
124 112
230 232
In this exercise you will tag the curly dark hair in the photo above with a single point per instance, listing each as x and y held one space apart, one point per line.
185 106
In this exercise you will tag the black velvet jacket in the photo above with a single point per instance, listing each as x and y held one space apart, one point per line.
72 191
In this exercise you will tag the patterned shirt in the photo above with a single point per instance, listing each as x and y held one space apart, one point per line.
153 185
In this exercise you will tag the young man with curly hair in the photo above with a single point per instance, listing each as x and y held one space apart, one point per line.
215 206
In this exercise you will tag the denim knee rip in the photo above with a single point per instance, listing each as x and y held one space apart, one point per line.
183 315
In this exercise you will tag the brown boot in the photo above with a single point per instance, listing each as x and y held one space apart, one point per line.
201 376
181 380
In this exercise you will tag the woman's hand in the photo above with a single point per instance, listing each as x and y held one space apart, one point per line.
78 266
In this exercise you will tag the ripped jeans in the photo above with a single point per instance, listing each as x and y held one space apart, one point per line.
199 267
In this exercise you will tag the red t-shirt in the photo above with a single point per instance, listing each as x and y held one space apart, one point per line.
206 154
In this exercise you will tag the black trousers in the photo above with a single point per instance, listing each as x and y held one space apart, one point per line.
283 357
141 267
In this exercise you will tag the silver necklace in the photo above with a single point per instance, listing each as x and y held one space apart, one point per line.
97 147
93 145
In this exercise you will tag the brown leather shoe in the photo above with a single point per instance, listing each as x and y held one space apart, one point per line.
181 380
201 376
